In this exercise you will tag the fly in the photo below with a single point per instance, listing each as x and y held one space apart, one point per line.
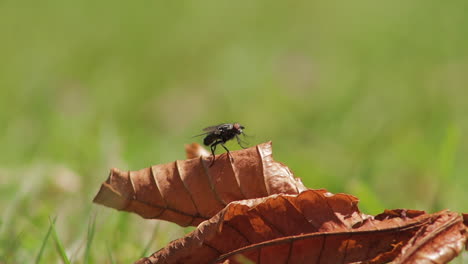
220 134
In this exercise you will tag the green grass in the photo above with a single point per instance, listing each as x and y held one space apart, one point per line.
362 97
59 245
91 231
44 242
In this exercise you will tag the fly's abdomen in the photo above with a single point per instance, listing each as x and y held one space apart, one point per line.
209 139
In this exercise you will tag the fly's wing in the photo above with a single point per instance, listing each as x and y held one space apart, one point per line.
210 129
202 134
218 129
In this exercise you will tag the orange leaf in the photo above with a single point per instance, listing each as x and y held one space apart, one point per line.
288 225
194 150
437 242
312 227
190 191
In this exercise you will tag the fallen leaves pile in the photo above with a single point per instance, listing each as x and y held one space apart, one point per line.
249 208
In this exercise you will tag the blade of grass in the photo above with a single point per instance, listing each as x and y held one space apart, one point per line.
91 230
58 244
109 253
244 260
148 245
44 242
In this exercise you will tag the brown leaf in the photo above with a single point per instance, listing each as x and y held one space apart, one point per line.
312 227
437 242
194 150
190 191
465 221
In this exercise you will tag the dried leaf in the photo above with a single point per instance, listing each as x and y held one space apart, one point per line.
312 227
437 242
194 150
190 191
465 221
288 225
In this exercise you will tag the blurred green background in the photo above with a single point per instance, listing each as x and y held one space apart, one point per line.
364 97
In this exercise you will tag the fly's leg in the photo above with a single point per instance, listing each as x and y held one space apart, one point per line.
228 153
239 141
213 149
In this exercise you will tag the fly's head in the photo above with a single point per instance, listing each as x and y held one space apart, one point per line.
238 128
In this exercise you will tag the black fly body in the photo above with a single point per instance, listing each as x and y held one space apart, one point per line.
220 134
